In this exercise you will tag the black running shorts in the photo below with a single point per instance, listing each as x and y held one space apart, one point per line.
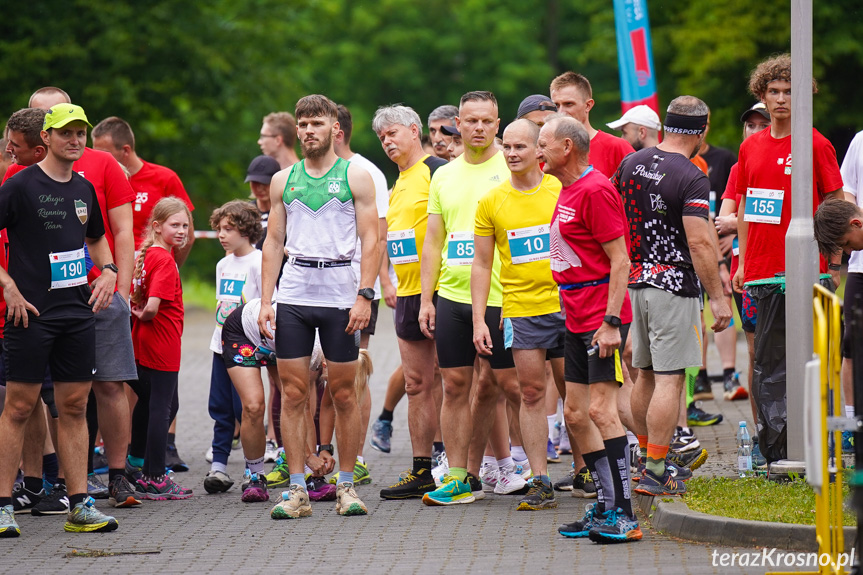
581 368
295 333
454 336
66 345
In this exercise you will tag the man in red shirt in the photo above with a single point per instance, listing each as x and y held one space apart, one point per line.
573 96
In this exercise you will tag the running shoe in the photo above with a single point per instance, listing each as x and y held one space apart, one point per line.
523 469
173 461
581 528
583 485
665 485
758 459
691 460
848 442
679 473
540 496
236 443
684 440
256 488
271 451
617 527
565 484
488 474
8 526
440 470
436 453
121 493
95 488
564 447
702 389
452 492
163 489
23 499
556 434
732 390
475 486
209 455
412 485
217 482
551 453
100 462
509 480
133 474
85 518
280 476
347 501
55 504
382 433
697 417
319 490
294 504
361 473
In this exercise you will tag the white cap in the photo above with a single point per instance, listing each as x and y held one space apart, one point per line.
641 115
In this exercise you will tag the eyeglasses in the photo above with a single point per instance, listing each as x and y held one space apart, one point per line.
269 135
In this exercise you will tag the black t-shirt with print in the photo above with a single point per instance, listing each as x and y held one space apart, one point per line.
47 222
658 189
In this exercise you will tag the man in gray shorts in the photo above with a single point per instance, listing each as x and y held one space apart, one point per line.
671 248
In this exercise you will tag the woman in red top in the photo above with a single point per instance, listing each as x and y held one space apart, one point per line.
157 307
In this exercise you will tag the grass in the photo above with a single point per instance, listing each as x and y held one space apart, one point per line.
758 499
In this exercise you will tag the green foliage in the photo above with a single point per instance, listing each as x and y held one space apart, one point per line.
195 78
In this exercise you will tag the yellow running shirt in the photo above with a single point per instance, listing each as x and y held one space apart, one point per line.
519 222
407 218
454 193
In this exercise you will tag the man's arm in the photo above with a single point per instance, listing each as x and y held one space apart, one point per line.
430 272
388 290
272 252
742 231
16 306
103 286
363 190
120 222
480 284
606 336
703 248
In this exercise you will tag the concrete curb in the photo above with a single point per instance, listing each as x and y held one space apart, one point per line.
673 517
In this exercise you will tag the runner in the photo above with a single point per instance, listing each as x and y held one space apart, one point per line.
279 138
513 218
319 207
640 126
441 116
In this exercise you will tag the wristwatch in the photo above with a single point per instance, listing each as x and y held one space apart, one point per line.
834 267
111 267
367 293
326 447
612 320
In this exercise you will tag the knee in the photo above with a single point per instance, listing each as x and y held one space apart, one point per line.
18 411
343 396
414 384
253 411
74 407
294 396
603 414
533 395
455 391
576 416
109 390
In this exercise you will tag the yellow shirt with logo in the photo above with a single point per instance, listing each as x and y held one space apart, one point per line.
407 219
454 193
519 222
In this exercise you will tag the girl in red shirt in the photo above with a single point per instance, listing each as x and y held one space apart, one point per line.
157 307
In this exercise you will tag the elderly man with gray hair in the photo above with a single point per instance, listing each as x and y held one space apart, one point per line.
439 117
399 129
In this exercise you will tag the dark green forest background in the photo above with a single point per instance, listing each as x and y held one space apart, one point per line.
195 78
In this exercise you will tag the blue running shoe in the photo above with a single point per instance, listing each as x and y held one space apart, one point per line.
579 529
8 526
848 441
382 432
617 528
665 485
551 453
451 492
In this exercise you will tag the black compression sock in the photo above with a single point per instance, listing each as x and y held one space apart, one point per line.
112 473
386 415
421 463
728 372
437 446
76 499
4 501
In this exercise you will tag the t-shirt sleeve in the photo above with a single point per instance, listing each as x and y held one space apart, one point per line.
95 224
730 192
118 190
434 195
162 276
8 205
603 215
696 197
11 171
827 175
851 165
484 226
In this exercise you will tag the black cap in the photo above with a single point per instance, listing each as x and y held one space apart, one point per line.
262 169
758 108
533 103
450 130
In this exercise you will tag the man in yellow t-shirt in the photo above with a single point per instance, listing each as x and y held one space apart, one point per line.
447 256
399 129
515 217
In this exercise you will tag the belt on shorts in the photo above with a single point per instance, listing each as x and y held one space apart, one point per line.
599 282
320 264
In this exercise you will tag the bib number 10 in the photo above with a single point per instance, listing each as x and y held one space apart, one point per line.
529 244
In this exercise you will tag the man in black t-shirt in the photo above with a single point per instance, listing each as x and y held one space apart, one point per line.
671 247
50 212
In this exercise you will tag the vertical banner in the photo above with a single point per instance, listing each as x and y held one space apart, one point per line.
635 55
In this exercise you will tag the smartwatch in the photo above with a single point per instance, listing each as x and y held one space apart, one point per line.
367 293
326 447
612 320
111 267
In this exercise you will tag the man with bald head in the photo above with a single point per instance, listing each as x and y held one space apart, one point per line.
514 217
589 260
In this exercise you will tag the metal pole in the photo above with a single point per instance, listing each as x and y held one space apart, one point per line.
801 253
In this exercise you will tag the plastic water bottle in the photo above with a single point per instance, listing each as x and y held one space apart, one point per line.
744 451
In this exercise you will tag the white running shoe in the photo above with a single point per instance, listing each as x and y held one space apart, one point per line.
441 469
209 455
509 480
271 452
488 474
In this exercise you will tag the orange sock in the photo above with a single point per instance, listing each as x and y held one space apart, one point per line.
642 445
656 458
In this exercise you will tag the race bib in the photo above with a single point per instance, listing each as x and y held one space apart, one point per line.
402 247
460 249
67 269
529 244
231 287
763 206
712 200
735 247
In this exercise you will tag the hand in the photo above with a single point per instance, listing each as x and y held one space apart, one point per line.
482 338
737 282
837 277
725 278
608 338
721 314
137 311
329 461
17 307
726 243
103 290
427 319
359 316
266 318
726 224
316 464
389 295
